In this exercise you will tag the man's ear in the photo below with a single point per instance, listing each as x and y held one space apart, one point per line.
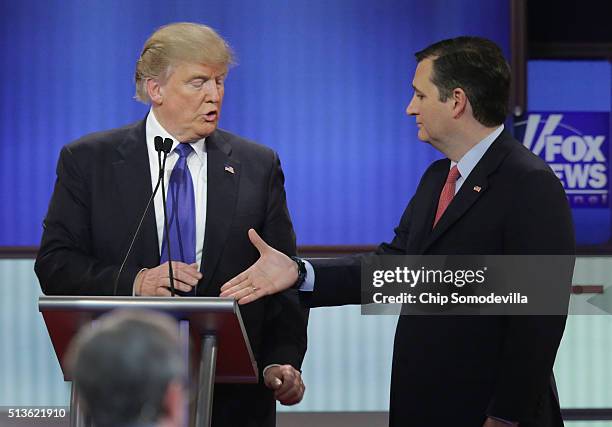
459 102
155 91
174 404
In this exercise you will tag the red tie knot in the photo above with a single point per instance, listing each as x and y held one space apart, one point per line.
453 175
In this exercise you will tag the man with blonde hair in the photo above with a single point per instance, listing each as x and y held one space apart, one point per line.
219 185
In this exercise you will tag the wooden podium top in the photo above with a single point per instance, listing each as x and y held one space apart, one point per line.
65 315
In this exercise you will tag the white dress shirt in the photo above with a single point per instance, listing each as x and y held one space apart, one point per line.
470 159
197 164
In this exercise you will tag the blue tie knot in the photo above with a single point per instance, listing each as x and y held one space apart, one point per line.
183 150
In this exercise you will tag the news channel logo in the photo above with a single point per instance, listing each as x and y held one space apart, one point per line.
577 148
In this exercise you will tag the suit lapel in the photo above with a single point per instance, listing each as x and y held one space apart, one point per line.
472 189
462 201
133 186
427 199
222 193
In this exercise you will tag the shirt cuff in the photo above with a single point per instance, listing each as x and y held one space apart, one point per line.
134 285
268 367
309 280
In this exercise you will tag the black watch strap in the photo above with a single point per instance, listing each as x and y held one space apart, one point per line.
301 272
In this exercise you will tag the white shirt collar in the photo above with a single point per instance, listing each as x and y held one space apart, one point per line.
154 128
470 159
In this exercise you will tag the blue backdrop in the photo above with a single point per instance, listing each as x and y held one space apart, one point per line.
576 86
325 83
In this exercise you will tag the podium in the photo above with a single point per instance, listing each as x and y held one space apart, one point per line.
213 339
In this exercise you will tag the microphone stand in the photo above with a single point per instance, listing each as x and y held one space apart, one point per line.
159 145
166 149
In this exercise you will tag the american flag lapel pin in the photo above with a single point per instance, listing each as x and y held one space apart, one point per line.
229 169
477 188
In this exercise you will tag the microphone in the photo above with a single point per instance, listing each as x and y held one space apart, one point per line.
159 147
166 148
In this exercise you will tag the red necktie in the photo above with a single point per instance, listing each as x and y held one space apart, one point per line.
448 192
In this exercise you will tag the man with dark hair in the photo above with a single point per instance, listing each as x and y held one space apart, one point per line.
479 68
129 372
490 196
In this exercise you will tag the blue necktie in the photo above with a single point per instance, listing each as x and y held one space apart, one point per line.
181 211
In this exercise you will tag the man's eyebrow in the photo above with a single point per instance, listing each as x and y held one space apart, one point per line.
198 76
205 76
416 88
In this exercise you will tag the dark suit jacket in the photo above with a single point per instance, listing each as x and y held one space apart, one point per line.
103 184
451 370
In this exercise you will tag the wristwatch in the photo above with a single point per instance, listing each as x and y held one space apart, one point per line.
301 272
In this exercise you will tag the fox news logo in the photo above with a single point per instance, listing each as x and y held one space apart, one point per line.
576 146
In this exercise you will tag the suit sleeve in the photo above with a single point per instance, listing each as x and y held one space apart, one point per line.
542 225
285 319
338 280
64 264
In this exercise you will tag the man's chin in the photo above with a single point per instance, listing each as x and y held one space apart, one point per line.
207 129
421 137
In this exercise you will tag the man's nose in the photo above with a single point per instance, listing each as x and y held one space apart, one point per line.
212 91
410 109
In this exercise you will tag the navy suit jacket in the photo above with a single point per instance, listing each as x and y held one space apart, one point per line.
103 184
451 370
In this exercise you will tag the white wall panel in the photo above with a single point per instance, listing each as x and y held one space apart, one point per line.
347 364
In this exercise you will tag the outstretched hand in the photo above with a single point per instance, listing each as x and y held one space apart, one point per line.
272 273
